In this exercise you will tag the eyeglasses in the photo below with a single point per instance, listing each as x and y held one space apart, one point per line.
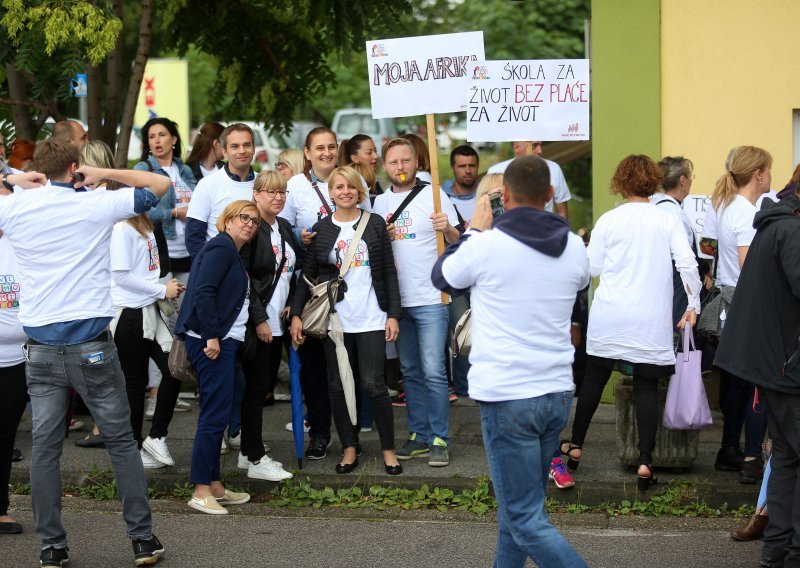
247 219
273 193
280 165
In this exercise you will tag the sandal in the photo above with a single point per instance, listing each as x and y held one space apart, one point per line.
572 461
91 440
646 481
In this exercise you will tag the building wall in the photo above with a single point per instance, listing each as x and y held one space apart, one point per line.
626 88
730 75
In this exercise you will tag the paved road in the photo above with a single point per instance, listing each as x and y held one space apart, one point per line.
261 536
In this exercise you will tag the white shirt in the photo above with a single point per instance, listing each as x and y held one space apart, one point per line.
414 243
631 315
12 336
281 293
304 208
561 192
134 259
183 194
672 206
735 229
62 243
206 172
213 194
465 207
521 310
359 310
710 222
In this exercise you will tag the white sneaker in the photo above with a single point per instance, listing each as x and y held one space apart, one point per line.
223 449
306 427
235 442
157 447
148 461
244 463
267 469
183 406
151 408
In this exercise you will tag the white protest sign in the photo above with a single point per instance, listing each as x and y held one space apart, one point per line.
422 75
545 99
695 207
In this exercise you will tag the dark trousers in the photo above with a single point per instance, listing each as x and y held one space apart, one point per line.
782 535
314 384
134 354
366 352
645 395
215 381
736 402
12 405
259 374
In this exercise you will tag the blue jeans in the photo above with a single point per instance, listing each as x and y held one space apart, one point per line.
239 386
51 372
215 379
459 363
519 436
420 346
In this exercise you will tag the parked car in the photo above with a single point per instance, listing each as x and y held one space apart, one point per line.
348 122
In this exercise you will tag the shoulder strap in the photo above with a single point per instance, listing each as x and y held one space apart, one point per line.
458 214
321 198
412 194
271 290
149 165
351 250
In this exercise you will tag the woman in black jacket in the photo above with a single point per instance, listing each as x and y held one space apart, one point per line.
270 259
368 306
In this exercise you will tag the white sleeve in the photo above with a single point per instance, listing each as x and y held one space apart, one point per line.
743 228
686 264
596 249
200 204
133 283
460 269
710 224
120 203
121 247
289 211
559 183
447 207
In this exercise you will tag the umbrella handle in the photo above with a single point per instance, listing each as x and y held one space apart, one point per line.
333 292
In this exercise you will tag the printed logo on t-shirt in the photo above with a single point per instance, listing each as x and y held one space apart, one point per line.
322 213
9 292
153 262
276 249
360 258
402 227
182 193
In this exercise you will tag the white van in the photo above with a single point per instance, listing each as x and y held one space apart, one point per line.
348 122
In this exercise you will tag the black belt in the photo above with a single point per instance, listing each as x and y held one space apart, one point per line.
104 336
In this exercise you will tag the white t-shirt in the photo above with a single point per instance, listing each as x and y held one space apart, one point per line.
561 192
465 207
137 258
281 293
425 176
212 194
672 206
735 229
206 172
12 336
183 194
61 238
521 310
238 328
710 223
359 310
303 207
414 243
631 315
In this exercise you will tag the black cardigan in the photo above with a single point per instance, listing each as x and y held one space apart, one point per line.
260 261
381 262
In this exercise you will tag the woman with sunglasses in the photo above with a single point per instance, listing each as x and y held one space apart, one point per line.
270 259
212 322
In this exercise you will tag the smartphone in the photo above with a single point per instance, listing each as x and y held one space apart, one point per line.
496 203
77 177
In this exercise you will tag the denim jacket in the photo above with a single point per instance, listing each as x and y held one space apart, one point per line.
163 211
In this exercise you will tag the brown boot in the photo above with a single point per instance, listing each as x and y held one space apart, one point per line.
753 530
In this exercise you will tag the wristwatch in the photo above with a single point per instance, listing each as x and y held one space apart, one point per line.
7 185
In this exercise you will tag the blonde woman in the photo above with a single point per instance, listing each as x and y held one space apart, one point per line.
290 163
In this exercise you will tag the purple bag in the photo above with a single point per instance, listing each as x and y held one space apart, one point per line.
687 406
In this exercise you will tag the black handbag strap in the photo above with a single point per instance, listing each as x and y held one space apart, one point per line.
271 290
412 194
321 197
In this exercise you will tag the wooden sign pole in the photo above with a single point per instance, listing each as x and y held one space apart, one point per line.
433 154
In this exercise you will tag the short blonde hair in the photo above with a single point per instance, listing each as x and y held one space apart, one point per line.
490 183
292 158
352 177
234 209
269 179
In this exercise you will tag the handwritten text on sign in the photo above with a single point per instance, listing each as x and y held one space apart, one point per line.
545 99
422 75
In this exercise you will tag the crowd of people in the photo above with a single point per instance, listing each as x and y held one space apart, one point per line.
225 259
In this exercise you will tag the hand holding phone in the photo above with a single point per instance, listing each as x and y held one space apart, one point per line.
496 202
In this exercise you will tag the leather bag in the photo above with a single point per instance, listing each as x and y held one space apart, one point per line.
462 335
178 362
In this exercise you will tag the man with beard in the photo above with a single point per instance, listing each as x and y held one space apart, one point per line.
461 190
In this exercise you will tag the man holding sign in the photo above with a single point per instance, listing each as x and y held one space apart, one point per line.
408 208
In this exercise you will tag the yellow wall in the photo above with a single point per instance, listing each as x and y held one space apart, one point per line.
730 75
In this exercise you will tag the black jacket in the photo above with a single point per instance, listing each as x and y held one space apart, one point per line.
760 339
381 262
260 262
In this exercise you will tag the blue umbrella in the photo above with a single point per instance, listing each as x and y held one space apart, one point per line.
297 403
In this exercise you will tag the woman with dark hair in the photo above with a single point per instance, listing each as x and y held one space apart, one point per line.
206 155
360 151
630 321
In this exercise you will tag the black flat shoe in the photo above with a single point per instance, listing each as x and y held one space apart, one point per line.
393 469
91 440
646 481
343 468
10 528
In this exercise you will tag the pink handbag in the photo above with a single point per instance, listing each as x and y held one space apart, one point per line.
687 406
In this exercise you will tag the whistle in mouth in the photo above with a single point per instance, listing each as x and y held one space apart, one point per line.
402 178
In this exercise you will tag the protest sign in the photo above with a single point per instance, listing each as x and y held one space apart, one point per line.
422 75
546 99
695 207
